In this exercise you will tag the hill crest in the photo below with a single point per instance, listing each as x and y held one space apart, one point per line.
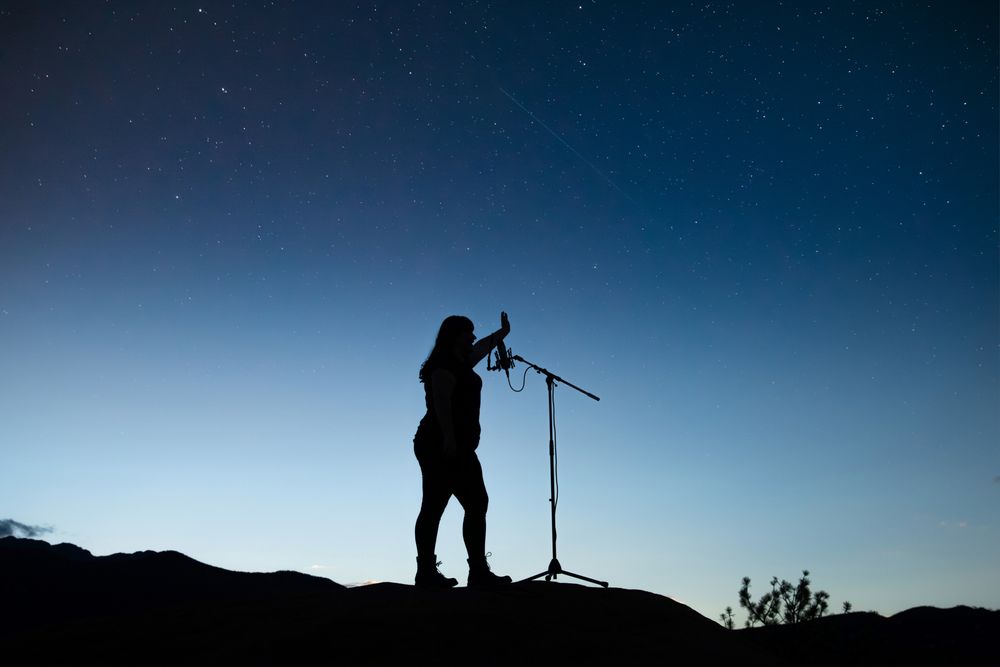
169 606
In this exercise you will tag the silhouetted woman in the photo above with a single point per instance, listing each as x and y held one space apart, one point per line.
445 445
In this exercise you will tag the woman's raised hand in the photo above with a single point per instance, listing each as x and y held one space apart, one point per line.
504 323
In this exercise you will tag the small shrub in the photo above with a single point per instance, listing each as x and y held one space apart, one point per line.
784 603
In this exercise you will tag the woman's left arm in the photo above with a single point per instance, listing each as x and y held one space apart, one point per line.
482 347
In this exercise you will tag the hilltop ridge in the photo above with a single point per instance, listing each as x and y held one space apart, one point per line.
165 606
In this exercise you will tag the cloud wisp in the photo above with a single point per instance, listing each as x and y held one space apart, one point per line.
11 528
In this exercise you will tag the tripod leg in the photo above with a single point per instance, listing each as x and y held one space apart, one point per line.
554 569
583 578
557 569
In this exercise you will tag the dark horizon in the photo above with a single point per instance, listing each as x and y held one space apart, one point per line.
167 607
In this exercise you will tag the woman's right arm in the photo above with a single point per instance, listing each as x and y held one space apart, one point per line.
442 387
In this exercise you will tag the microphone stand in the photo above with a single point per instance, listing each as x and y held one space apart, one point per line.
555 568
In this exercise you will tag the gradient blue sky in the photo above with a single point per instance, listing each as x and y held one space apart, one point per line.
764 233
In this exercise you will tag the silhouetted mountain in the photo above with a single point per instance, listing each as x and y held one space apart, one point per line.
61 601
44 583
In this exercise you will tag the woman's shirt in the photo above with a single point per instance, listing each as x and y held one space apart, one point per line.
465 401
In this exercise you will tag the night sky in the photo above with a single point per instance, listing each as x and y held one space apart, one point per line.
765 234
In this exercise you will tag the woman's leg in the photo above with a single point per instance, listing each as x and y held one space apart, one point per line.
428 520
470 489
436 494
471 492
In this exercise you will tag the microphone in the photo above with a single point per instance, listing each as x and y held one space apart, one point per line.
503 359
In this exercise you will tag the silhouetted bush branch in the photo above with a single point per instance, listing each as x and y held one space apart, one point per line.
727 618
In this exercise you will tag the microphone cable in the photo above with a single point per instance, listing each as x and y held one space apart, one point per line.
524 380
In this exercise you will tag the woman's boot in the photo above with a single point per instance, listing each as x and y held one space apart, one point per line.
428 575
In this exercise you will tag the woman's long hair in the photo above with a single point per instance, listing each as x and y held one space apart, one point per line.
442 356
